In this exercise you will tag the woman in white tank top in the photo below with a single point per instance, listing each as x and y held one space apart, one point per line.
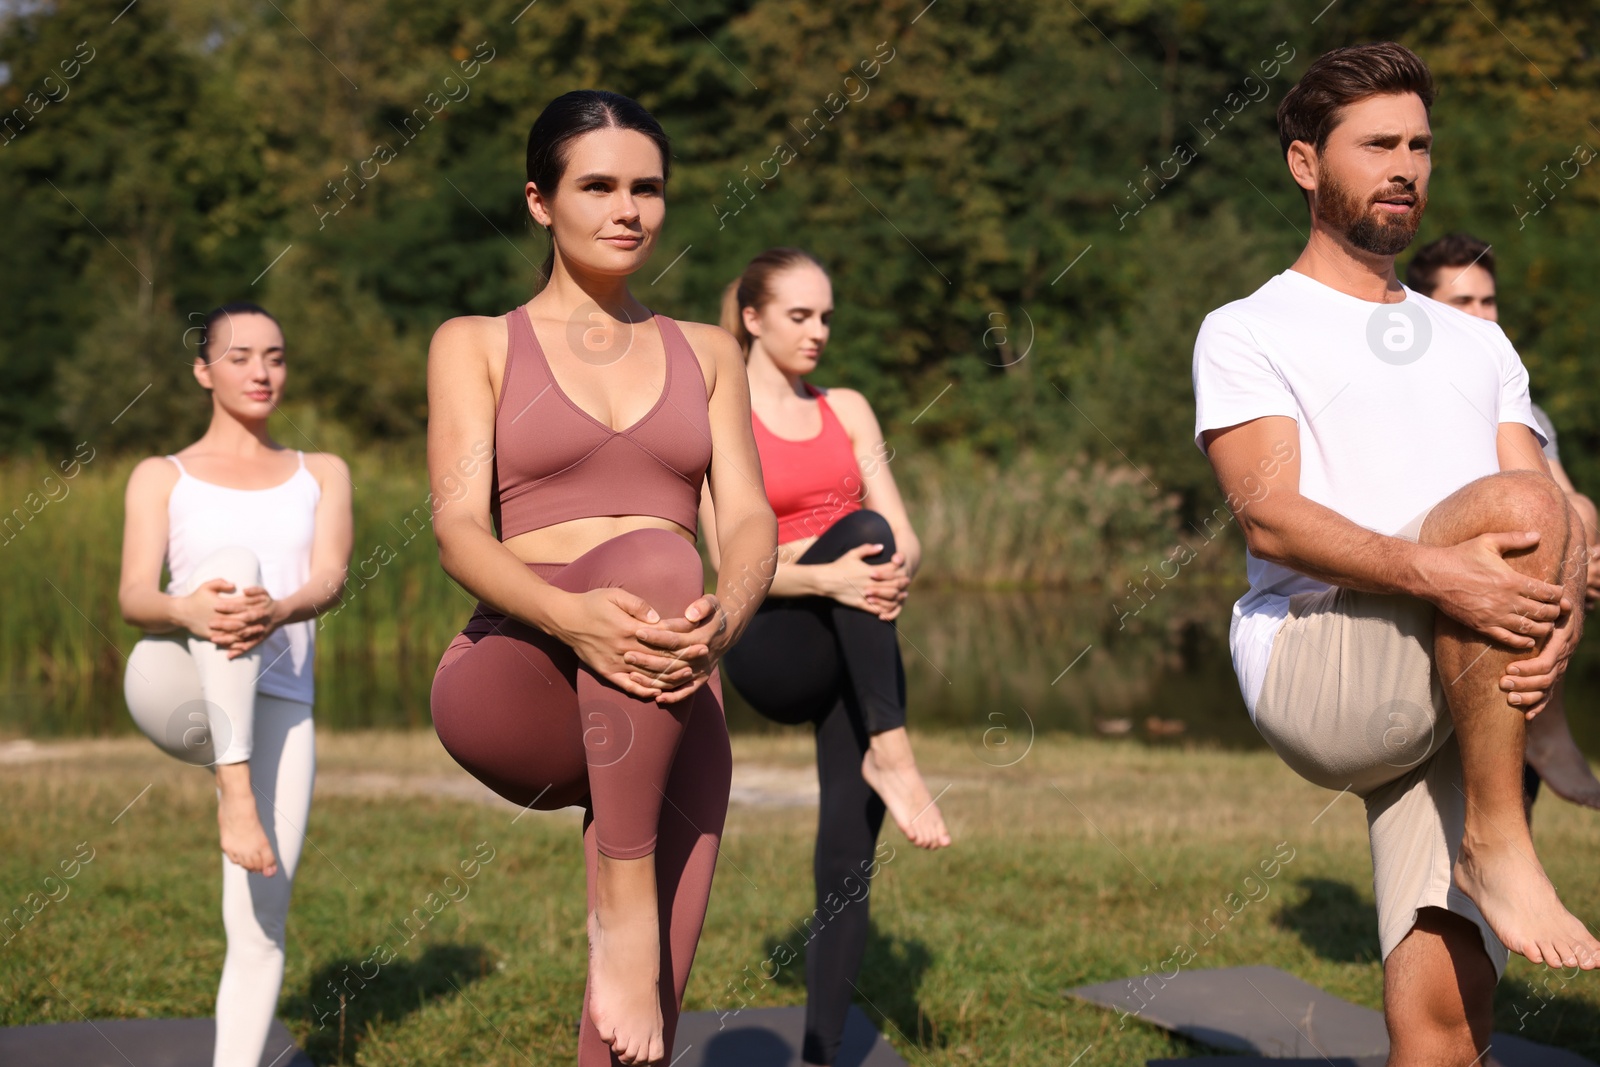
257 539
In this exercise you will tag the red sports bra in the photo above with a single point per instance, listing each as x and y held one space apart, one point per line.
812 483
553 461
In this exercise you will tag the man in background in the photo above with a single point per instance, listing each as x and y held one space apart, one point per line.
1458 269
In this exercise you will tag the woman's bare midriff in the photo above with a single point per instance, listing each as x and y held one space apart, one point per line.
790 551
566 541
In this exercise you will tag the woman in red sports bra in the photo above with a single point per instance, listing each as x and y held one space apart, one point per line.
822 648
568 441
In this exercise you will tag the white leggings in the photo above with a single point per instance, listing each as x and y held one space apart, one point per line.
196 704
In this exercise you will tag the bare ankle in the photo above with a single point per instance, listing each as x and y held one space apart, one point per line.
892 748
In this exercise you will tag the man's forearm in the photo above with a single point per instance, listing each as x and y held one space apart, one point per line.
1319 542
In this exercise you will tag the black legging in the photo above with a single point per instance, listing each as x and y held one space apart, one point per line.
812 659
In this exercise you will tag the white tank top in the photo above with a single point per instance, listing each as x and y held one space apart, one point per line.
278 525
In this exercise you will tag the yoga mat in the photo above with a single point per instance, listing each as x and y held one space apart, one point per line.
764 1037
140 1042
1504 1048
1251 1009
1279 1018
1263 1061
771 1037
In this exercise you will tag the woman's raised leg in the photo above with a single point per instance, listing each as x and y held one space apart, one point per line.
185 693
870 650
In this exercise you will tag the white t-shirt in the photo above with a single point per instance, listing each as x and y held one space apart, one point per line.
1397 407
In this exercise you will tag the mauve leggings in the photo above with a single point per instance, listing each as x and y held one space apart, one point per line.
812 659
517 709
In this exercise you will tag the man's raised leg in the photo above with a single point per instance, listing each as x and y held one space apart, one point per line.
1496 865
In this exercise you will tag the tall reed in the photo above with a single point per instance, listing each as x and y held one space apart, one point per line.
1038 523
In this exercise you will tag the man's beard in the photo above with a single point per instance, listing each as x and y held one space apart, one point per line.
1351 216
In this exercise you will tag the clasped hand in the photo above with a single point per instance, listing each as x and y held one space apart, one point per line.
1512 609
879 588
236 623
623 640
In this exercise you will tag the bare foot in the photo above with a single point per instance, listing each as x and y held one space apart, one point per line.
624 986
1510 888
243 840
1554 754
891 771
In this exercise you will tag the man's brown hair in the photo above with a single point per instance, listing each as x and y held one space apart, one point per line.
1457 249
1311 109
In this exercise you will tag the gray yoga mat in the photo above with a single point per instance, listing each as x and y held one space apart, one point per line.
1279 1018
1506 1049
770 1037
140 1042
764 1037
1263 1061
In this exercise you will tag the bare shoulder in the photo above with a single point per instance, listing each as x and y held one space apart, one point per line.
851 407
838 394
715 348
709 340
467 337
152 479
327 468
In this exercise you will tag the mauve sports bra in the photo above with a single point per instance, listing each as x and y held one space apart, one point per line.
554 462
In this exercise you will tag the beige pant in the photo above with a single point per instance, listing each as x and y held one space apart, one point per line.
1351 701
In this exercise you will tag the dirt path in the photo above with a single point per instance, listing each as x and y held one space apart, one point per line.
755 785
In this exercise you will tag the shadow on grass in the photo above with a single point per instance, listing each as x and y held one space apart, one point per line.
345 996
1339 925
1333 920
1547 1008
886 988
891 975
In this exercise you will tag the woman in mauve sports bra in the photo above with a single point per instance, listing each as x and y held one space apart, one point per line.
257 538
822 648
587 674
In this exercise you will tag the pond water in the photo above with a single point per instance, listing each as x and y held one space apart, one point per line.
996 667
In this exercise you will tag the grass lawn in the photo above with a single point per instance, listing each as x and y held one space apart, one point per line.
1083 862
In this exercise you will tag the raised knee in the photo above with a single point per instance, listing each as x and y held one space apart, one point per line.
867 527
1507 501
1536 502
664 569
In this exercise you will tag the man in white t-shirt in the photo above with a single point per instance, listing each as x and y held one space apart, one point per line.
1412 589
1458 269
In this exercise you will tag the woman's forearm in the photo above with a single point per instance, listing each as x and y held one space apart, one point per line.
489 571
799 579
749 560
322 591
150 610
905 540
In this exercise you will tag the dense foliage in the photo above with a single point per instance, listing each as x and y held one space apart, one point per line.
357 168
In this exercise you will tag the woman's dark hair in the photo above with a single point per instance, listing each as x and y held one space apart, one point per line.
1452 250
753 288
570 116
238 307
1311 109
